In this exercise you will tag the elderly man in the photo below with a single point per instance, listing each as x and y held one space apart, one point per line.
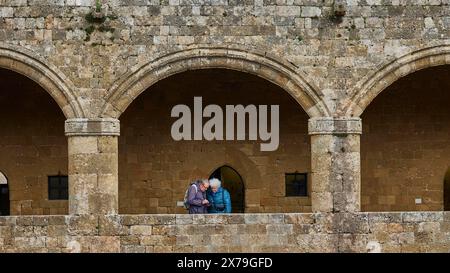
196 199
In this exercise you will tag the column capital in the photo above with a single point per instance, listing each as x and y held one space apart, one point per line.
92 127
334 126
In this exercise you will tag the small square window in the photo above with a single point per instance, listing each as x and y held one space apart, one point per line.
58 187
296 184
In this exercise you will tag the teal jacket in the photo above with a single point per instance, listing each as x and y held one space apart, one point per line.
220 198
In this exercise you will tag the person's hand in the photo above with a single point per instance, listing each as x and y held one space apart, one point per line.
205 202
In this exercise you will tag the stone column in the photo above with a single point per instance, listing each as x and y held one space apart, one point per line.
93 166
335 164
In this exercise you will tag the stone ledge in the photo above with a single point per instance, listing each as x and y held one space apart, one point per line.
92 127
331 126
420 231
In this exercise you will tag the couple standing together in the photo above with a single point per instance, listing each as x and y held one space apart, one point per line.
207 196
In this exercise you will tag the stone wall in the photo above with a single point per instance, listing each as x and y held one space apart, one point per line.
333 58
361 232
155 170
333 68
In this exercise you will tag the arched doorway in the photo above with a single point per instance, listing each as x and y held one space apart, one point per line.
4 195
447 191
232 181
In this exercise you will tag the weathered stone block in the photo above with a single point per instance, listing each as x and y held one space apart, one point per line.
158 240
141 230
83 225
182 219
111 226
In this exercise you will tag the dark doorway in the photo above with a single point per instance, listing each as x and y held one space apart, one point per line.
232 181
447 191
4 195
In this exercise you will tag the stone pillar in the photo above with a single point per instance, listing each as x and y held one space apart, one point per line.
335 164
93 166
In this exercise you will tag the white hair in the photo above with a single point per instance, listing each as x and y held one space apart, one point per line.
214 182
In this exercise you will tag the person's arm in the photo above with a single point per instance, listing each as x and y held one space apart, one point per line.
227 202
209 197
192 197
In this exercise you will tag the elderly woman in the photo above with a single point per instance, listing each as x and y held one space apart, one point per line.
218 197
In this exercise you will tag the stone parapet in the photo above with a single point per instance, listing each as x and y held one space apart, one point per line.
288 232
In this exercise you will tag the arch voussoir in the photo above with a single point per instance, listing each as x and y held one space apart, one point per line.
284 75
373 84
47 76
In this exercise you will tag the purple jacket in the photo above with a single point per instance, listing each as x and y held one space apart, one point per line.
195 198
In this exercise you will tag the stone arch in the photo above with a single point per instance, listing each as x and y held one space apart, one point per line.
225 164
248 171
132 84
373 84
239 168
4 195
46 75
3 179
234 159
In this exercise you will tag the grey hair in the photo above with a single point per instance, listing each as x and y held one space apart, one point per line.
214 182
205 182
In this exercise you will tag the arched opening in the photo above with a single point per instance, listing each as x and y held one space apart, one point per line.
447 191
4 195
37 69
405 145
232 181
32 145
155 169
372 84
273 69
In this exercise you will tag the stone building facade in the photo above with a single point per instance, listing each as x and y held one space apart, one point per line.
362 88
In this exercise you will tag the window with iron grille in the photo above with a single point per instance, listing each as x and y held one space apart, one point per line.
58 187
296 184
